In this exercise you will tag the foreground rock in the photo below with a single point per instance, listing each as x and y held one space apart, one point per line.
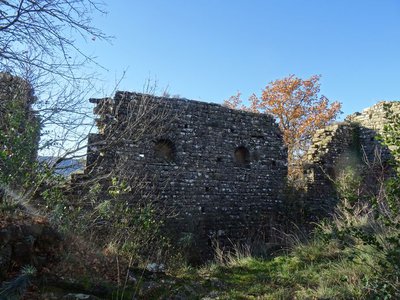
34 243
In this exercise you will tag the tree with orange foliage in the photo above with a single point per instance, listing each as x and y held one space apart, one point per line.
297 106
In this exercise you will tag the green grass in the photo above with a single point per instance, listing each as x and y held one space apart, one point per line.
316 270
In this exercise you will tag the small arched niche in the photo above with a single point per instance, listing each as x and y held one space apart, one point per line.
164 149
242 156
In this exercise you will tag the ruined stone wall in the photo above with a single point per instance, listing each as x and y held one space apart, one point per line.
14 89
220 172
16 96
351 143
332 150
19 128
371 122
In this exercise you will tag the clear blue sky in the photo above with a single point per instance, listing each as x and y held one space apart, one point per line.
210 49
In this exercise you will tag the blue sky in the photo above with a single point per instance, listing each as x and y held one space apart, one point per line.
210 49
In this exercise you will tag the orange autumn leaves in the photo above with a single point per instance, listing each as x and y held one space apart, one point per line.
297 106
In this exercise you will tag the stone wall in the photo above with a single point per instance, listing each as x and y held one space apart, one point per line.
351 143
19 129
219 173
16 93
370 122
332 150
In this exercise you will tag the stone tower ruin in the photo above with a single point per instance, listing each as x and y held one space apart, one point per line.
218 173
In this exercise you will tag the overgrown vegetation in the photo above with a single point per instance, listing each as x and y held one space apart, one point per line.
16 288
108 218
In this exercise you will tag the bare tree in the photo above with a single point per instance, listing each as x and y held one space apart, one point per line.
41 35
39 42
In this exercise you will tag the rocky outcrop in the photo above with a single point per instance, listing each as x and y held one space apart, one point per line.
21 244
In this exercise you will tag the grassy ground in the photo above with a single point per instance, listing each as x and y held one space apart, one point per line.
317 270
309 272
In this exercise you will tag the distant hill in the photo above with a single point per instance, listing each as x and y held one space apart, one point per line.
66 167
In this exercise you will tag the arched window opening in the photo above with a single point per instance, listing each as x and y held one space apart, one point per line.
242 156
164 149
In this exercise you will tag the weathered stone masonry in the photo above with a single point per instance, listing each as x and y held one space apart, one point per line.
370 122
221 171
19 129
17 97
351 143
